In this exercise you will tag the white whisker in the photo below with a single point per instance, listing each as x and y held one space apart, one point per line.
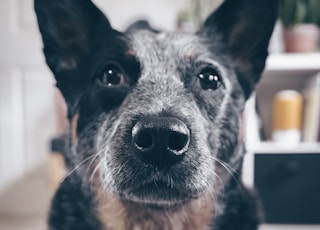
229 169
78 166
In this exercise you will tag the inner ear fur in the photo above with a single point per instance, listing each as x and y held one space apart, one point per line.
68 28
70 31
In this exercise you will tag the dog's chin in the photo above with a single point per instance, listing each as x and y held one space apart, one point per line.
155 203
157 195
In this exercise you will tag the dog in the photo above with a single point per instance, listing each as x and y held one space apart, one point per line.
154 140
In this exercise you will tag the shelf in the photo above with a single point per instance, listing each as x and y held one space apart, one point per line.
288 227
273 148
295 71
293 62
276 147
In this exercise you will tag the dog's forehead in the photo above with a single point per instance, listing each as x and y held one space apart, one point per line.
166 54
168 49
145 40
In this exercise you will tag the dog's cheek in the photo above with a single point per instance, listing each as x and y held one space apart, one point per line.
202 178
230 124
229 143
223 116
114 152
228 140
211 108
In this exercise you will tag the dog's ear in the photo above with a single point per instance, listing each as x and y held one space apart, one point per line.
246 27
69 29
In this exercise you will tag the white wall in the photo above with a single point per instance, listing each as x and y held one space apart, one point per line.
26 93
161 13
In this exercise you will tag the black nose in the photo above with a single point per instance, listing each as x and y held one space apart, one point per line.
160 141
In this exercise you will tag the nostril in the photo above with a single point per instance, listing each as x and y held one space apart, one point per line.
144 139
178 142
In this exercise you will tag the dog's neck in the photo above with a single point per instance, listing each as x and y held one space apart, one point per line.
116 214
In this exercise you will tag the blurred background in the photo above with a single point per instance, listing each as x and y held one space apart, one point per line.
281 121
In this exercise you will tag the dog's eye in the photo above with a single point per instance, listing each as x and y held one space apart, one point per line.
112 75
210 79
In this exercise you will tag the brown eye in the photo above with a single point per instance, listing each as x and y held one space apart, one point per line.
112 75
209 79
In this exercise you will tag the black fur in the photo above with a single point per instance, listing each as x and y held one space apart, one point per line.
162 76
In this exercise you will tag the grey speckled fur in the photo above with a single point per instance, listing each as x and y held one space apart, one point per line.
108 186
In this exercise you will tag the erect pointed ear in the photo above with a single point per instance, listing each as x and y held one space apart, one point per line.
245 27
70 29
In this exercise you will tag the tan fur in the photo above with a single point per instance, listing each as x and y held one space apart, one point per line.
118 215
131 53
74 125
57 169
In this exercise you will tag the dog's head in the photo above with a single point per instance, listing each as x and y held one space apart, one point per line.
153 116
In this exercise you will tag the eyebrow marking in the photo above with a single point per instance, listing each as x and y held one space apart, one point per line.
131 53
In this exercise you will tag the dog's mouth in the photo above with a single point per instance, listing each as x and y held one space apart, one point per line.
157 193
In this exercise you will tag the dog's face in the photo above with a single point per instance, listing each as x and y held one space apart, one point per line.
154 117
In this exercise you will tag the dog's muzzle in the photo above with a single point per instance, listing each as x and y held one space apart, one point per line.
160 141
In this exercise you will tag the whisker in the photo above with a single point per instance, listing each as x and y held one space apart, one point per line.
91 162
95 170
230 170
78 166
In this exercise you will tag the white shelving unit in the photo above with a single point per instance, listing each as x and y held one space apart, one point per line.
293 62
288 227
273 148
283 71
